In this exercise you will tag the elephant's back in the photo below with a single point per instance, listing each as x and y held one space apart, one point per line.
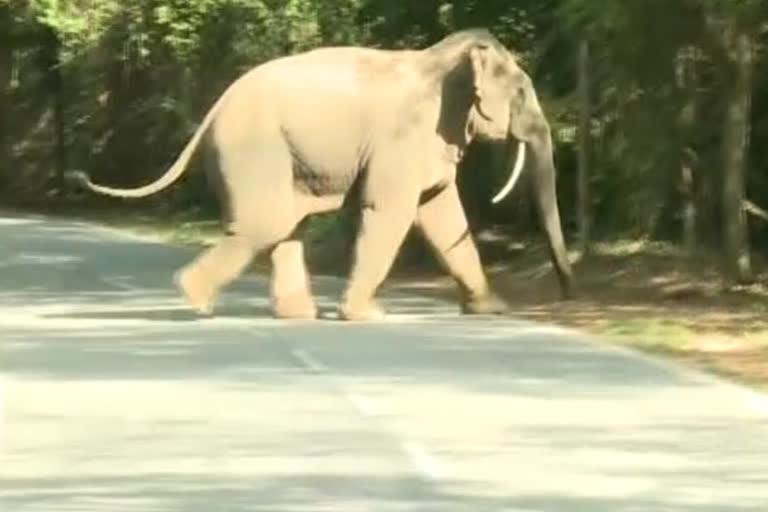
328 105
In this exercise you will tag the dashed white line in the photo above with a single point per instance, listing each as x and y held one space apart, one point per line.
758 403
362 404
308 361
425 462
2 409
118 283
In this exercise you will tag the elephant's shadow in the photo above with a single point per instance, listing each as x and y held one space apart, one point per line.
170 314
186 315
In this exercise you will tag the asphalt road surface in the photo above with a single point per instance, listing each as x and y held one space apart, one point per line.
117 398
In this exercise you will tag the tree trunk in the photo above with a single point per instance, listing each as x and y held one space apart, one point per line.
6 61
690 241
735 145
684 71
583 148
54 83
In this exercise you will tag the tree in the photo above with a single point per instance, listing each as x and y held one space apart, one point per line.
732 27
738 96
585 115
6 62
50 62
686 83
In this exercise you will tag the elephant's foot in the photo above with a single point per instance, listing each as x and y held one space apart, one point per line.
298 306
197 296
488 304
368 311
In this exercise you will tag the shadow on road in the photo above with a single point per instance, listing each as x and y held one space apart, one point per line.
317 492
97 275
581 427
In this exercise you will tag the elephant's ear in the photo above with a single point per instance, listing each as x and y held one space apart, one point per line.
488 99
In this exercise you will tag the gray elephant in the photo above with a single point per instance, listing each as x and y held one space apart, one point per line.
296 135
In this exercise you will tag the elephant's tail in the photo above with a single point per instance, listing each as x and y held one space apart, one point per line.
170 176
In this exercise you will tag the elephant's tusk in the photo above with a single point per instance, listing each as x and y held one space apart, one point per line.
515 174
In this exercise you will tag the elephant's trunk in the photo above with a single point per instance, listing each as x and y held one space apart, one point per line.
546 201
528 125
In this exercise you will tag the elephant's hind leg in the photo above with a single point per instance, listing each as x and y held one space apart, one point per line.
259 202
200 281
290 286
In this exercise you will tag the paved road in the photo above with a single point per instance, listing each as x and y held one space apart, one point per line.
118 399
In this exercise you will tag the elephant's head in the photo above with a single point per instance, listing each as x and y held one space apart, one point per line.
505 106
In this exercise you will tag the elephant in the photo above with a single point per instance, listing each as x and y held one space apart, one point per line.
300 134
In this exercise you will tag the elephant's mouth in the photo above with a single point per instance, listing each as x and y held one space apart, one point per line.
514 176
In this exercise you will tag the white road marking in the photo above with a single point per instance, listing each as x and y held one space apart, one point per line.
308 361
118 283
419 456
2 409
361 403
759 404
124 233
425 462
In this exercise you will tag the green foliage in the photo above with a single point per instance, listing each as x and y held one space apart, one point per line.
139 74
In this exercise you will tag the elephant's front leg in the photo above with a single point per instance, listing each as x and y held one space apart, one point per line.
384 224
290 286
442 221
